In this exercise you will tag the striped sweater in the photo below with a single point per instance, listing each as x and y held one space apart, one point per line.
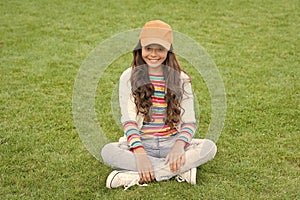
157 126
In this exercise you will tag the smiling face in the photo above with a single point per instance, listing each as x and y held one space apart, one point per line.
154 55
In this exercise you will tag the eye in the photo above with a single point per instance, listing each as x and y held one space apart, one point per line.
148 48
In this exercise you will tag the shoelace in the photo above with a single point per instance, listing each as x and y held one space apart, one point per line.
179 179
134 182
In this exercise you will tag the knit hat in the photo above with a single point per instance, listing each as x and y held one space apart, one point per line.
156 32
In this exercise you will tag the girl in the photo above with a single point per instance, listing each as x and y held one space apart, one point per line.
158 118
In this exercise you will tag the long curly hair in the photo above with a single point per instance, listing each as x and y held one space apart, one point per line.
142 88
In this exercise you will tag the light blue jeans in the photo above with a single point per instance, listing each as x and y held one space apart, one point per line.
118 156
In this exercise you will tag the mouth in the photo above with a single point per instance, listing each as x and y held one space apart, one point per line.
154 60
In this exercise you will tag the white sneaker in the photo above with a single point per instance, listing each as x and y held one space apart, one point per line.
188 176
123 178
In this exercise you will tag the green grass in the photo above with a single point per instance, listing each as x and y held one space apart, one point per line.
255 45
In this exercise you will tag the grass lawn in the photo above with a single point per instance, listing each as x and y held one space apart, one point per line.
255 45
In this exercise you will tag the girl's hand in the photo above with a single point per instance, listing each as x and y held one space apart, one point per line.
176 156
144 165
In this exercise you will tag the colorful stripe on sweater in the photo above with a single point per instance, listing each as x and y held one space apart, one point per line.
157 126
187 132
132 134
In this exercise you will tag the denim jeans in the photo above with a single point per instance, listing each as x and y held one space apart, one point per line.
118 156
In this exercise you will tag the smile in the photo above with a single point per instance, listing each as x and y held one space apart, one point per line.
154 60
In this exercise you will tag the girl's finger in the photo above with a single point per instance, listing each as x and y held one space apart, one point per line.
178 164
141 177
183 160
145 177
152 175
148 176
171 167
174 165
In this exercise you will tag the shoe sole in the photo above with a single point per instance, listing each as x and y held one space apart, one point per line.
110 178
193 176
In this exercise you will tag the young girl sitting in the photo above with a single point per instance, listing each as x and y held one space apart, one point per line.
157 108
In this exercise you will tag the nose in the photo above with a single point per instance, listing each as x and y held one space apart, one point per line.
153 52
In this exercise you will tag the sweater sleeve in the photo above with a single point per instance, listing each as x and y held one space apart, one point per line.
188 126
132 134
187 132
128 111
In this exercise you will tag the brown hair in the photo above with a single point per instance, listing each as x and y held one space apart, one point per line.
142 88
